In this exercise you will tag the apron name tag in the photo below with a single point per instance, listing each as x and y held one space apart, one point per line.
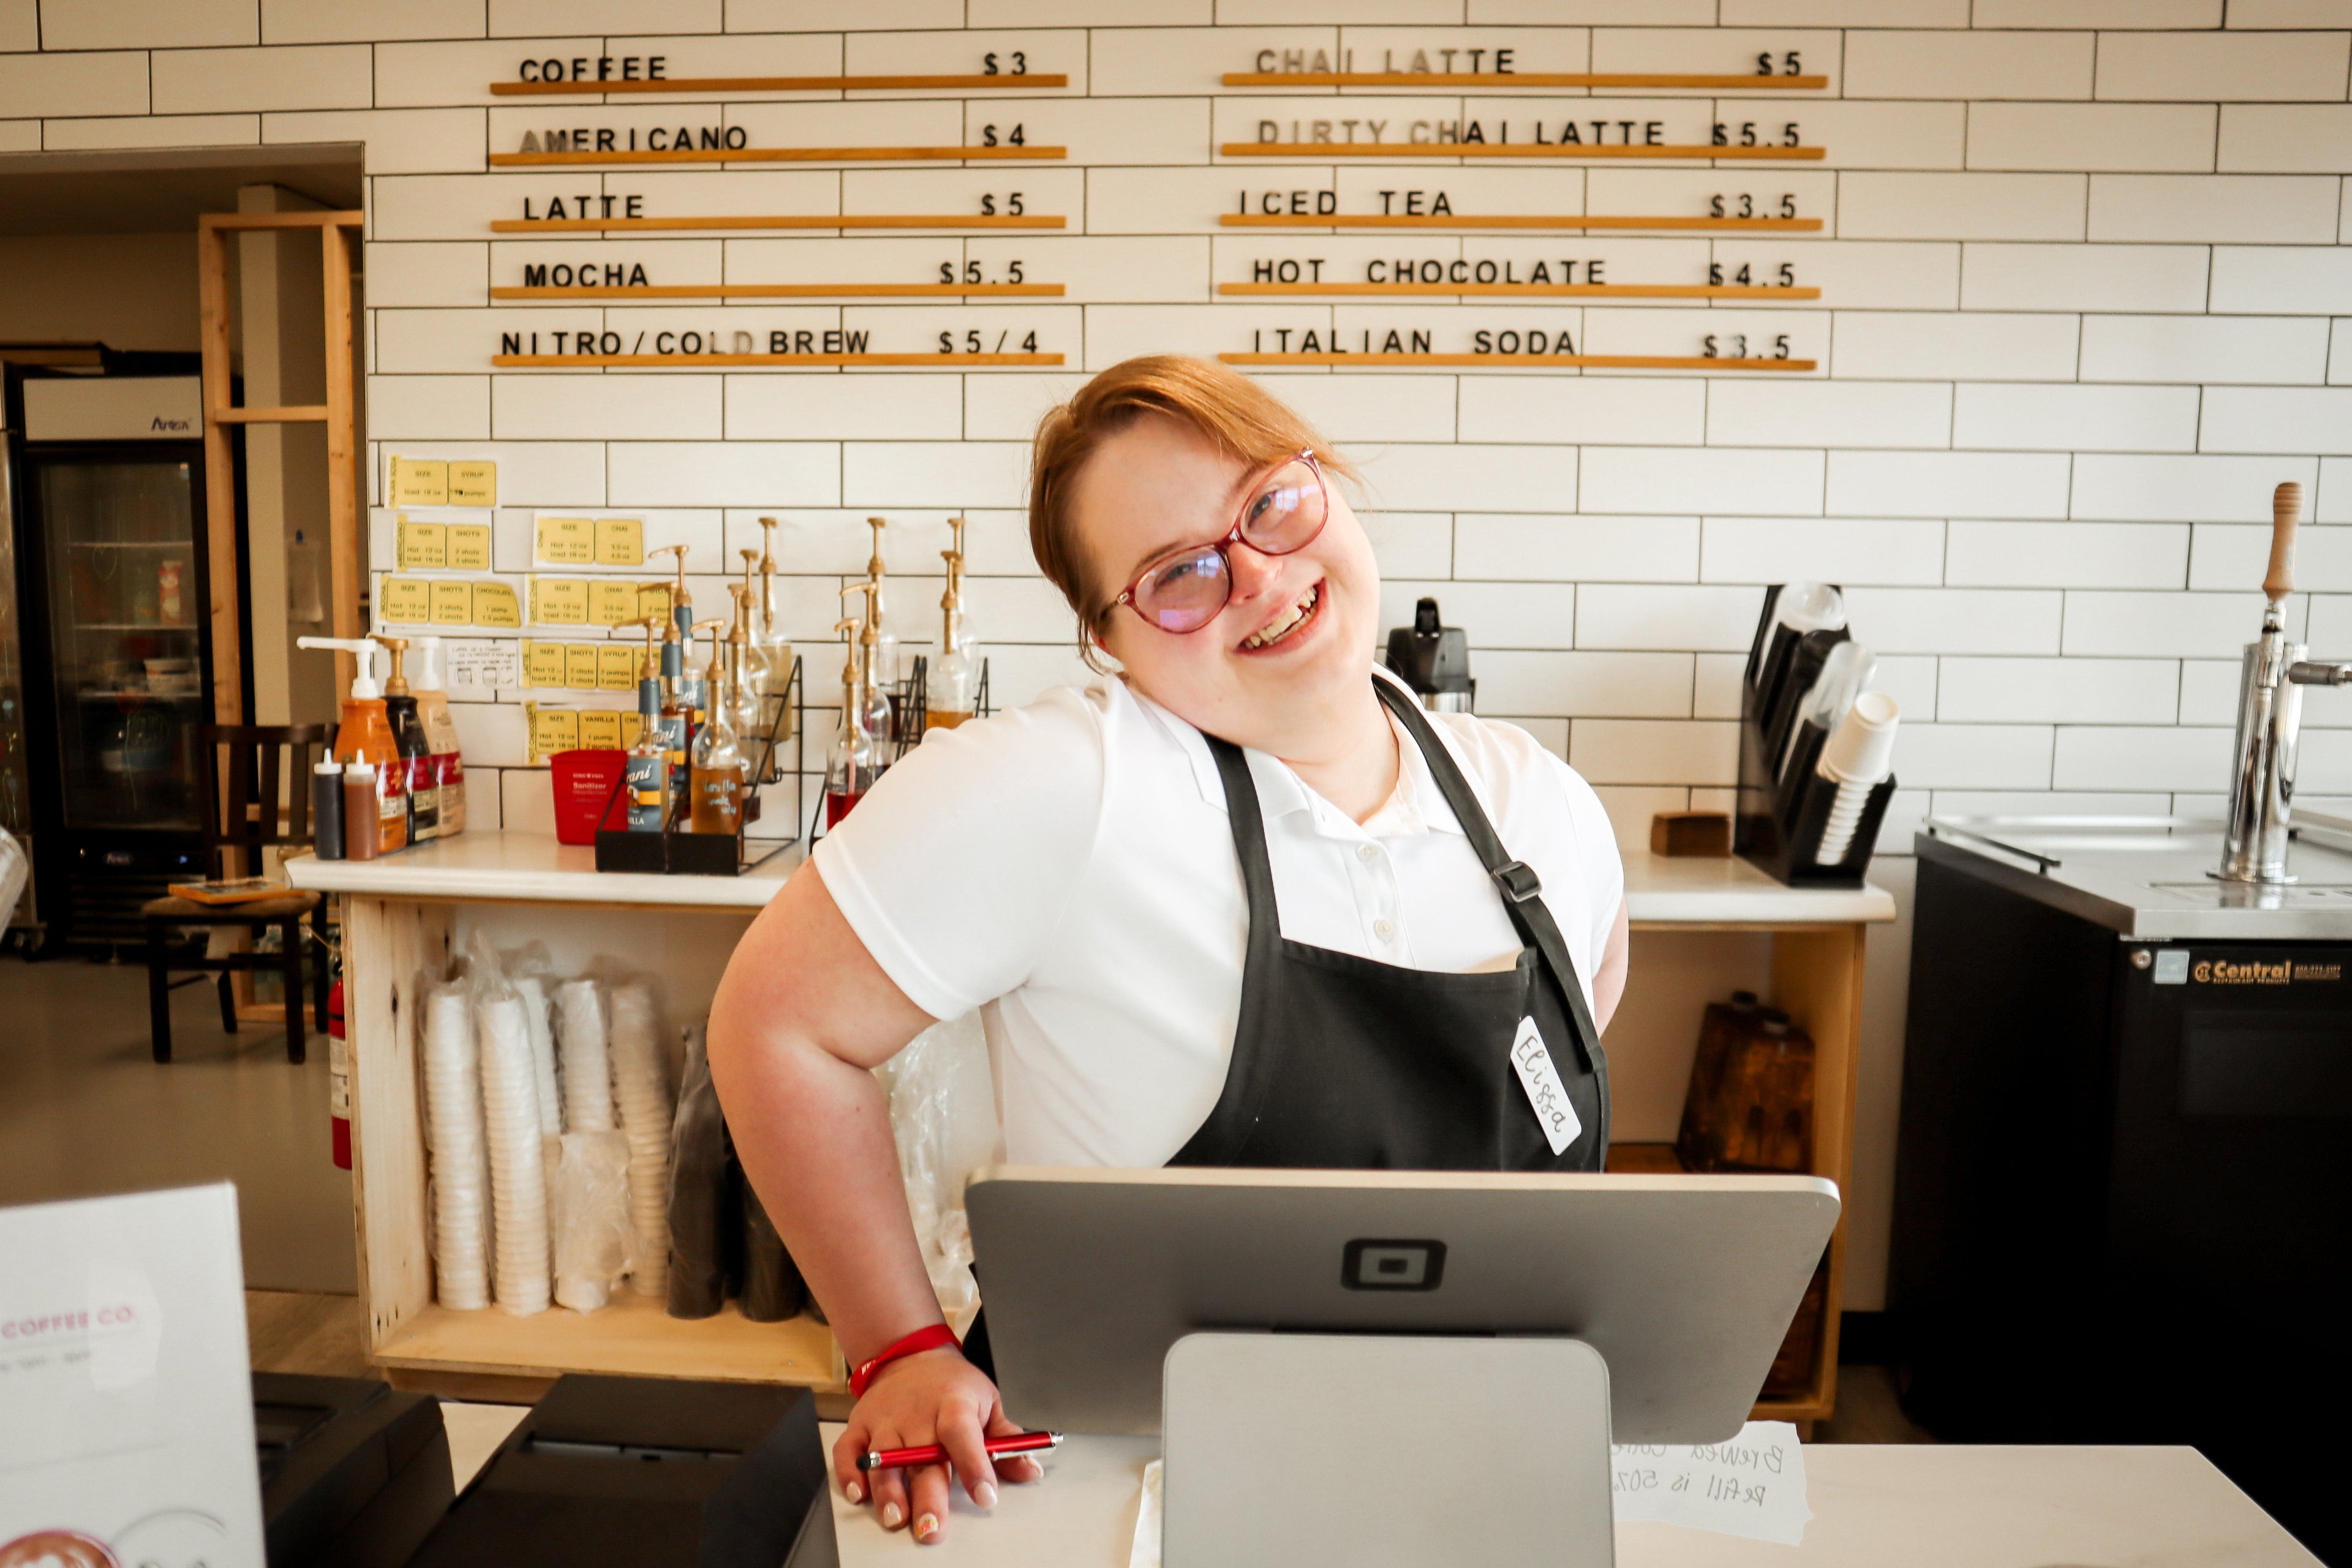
1545 1091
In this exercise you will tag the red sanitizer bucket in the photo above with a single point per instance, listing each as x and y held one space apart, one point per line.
584 782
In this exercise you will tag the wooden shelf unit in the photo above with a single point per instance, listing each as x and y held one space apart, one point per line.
968 82
1637 79
754 362
1515 220
1544 362
1314 152
782 221
1529 291
774 156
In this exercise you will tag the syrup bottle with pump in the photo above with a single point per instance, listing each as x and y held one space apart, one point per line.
364 735
432 685
718 769
416 751
645 772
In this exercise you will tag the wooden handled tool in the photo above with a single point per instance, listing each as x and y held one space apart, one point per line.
2286 507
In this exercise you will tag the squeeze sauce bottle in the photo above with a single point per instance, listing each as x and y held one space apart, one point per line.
432 685
364 735
416 751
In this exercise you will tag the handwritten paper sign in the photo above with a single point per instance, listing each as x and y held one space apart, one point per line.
1753 1485
129 1432
484 666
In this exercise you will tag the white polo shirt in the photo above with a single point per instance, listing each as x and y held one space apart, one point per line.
1068 868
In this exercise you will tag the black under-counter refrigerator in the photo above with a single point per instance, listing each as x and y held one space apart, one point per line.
2123 1199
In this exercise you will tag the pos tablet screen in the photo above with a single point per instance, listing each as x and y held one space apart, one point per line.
1684 1284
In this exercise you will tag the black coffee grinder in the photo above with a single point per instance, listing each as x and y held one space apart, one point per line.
1434 661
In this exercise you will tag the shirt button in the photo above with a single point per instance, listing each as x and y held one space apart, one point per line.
1368 852
1384 929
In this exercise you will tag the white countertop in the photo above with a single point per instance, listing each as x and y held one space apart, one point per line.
1923 1506
533 867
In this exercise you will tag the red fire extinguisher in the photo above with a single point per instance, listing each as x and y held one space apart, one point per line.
339 1076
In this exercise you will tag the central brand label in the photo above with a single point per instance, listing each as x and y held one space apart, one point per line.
1545 1091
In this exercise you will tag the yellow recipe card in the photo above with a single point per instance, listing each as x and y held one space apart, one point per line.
419 481
620 541
469 546
580 665
422 544
542 664
453 603
553 729
612 604
559 602
565 541
473 482
616 667
495 606
600 727
404 601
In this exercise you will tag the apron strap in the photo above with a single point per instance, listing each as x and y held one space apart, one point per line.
1248 821
1521 890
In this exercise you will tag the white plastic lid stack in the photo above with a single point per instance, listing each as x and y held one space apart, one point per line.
580 1041
517 1179
533 994
1859 753
460 1171
1809 607
641 1089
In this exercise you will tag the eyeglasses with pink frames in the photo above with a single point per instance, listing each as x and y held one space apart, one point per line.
1183 590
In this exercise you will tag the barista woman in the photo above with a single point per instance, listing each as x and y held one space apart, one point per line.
1245 904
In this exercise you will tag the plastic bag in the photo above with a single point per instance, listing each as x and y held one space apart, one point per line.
454 1140
772 1287
641 1093
701 1204
581 1042
510 1121
935 1152
588 1210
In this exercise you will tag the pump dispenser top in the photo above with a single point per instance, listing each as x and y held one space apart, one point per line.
395 685
364 688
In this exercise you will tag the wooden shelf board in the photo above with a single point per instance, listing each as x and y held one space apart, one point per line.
634 1336
1313 152
793 220
296 413
1451 221
1535 291
789 292
1587 362
1524 79
776 155
590 362
955 83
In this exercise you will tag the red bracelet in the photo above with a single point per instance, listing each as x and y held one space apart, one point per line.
926 1338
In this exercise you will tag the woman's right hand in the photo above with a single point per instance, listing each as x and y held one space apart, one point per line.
934 1397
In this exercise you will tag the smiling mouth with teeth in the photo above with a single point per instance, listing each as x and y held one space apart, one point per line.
1301 614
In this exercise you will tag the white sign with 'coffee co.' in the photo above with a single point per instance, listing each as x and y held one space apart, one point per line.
126 1407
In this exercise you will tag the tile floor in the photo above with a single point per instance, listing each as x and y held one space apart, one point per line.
84 1109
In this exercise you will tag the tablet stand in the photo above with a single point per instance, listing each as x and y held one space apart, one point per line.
1385 1451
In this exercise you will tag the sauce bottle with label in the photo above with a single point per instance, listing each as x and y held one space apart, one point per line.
717 799
448 767
364 735
415 750
645 772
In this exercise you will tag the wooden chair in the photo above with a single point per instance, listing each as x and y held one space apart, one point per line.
244 768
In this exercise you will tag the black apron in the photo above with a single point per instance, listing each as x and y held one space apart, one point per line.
1347 1063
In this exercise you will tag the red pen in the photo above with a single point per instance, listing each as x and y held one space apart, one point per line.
932 1454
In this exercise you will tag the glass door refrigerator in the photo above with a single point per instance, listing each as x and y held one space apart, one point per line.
113 594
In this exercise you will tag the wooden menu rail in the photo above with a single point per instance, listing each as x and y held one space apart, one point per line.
1585 361
1511 220
777 155
786 220
784 291
296 413
1523 79
1539 291
968 82
576 361
1316 150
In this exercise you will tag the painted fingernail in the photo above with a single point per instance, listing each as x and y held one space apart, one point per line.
854 1492
891 1515
985 1494
927 1526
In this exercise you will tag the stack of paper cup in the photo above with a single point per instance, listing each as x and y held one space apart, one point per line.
588 1204
1859 752
453 1100
517 1181
542 1051
640 1088
580 1036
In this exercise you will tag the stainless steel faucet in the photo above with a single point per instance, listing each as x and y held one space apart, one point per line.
2270 717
